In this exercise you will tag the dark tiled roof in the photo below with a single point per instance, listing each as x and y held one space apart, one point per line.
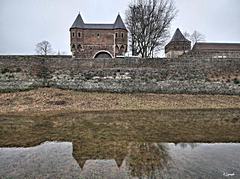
178 42
178 37
119 23
98 26
217 46
79 23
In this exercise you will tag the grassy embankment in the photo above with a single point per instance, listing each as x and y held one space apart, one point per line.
46 101
29 118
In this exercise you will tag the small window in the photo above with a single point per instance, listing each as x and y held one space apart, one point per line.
122 35
79 34
98 35
79 46
116 35
73 46
73 34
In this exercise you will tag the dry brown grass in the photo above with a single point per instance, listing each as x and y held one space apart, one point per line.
56 100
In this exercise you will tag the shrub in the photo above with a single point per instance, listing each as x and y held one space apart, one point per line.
5 70
18 70
236 81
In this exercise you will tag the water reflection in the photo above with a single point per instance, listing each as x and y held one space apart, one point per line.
146 158
121 144
43 161
121 160
140 159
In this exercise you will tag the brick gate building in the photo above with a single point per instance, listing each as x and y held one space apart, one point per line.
98 40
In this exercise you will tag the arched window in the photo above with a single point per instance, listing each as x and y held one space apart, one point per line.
73 34
122 35
116 34
98 35
79 34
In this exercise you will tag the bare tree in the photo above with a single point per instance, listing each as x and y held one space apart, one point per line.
44 48
196 37
148 22
187 35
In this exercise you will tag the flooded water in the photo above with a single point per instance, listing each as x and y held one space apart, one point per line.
141 160
122 144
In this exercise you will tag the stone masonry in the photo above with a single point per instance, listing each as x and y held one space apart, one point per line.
188 75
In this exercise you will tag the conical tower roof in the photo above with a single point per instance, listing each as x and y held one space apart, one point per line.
78 23
119 23
178 43
178 37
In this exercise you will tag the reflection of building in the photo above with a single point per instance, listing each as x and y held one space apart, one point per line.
83 151
98 40
121 158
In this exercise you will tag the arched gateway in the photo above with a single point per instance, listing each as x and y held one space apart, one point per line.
102 54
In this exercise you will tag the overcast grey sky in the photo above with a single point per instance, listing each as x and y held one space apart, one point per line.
23 23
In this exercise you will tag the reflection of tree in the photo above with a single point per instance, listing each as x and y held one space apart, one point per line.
142 159
145 158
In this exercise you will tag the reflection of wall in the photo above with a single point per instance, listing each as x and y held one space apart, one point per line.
83 151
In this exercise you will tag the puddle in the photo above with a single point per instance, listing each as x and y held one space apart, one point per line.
122 144
140 160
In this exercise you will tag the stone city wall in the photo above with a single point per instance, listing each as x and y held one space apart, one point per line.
160 75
